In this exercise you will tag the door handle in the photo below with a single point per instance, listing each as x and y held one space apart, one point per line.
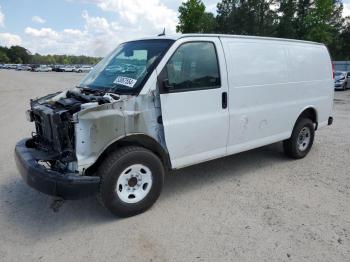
224 100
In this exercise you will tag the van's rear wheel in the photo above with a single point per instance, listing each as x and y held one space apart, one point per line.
301 141
131 181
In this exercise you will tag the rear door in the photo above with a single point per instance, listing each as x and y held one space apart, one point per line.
193 85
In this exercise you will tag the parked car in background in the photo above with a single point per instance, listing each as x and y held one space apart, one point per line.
34 67
23 68
10 66
83 69
66 68
341 80
42 68
56 68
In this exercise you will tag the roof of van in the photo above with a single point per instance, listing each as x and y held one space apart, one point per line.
179 36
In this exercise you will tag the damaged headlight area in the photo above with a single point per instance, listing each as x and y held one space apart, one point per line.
54 118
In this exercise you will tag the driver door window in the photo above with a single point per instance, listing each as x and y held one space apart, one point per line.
194 66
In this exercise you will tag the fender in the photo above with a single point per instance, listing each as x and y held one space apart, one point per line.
138 139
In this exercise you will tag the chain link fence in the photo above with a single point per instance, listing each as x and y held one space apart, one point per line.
342 66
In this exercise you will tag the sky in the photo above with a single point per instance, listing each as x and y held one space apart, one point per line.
87 27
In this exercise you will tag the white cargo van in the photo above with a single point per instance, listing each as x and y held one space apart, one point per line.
164 103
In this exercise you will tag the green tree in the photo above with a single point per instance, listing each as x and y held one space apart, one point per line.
208 23
247 17
341 50
228 21
338 31
303 9
18 54
66 60
287 19
318 22
315 20
50 60
194 19
3 57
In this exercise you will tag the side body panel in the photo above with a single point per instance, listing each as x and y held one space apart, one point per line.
271 83
310 72
195 124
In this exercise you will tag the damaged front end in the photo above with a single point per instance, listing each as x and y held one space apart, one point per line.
47 161
53 116
73 129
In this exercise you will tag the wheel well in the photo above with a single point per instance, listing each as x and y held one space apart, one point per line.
133 140
311 114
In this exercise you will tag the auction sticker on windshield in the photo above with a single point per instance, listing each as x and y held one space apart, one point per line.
125 81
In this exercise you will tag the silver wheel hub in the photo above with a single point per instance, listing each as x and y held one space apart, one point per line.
304 138
134 183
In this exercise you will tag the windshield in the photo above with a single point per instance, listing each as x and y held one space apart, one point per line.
127 68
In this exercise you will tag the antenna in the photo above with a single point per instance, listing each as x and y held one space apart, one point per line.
163 33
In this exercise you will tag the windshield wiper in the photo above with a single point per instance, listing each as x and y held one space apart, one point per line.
92 90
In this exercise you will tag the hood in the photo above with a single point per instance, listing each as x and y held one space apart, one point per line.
339 77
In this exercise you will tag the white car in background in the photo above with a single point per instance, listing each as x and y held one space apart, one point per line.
23 68
10 66
83 69
43 68
67 68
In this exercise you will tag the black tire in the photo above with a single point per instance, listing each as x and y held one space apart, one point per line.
111 169
291 146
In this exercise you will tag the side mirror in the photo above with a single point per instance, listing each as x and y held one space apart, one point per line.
129 52
163 82
166 85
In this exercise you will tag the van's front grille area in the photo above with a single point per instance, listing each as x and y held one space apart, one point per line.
54 132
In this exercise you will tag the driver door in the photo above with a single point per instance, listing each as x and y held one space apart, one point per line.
194 90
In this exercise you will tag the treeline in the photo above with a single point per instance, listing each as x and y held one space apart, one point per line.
20 55
313 20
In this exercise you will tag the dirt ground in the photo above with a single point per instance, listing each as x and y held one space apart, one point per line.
254 206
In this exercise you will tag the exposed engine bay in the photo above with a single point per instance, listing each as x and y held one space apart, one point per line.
54 123
73 128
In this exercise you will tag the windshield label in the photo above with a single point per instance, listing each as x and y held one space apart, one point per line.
125 81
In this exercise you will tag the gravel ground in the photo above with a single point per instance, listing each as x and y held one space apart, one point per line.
254 206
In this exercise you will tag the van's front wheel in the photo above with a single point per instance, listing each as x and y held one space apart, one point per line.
131 181
301 141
